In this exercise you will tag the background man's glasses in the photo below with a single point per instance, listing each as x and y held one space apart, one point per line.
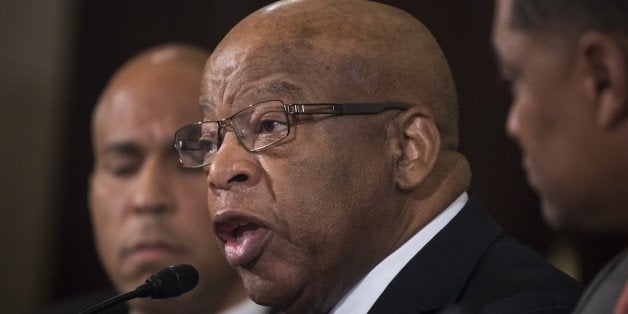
257 127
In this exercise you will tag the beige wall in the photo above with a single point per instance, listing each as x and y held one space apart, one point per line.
34 63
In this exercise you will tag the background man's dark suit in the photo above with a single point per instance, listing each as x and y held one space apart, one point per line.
472 263
604 292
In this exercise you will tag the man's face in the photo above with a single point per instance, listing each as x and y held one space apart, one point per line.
301 220
550 118
147 211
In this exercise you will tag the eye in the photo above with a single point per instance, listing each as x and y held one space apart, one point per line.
271 122
205 144
196 145
122 167
271 126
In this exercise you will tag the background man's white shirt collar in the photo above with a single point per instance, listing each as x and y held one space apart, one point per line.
364 294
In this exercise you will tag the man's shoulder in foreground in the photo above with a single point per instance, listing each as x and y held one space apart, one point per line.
604 292
474 266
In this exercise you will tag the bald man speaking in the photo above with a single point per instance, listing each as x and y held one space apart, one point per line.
329 141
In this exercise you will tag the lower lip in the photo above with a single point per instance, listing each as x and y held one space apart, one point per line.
240 252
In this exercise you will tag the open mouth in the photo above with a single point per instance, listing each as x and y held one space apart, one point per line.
243 240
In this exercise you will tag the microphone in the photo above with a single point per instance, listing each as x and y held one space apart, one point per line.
169 282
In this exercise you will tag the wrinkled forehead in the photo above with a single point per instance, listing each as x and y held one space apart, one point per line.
249 70
287 69
318 50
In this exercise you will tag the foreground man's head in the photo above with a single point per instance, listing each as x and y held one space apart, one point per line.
147 211
306 205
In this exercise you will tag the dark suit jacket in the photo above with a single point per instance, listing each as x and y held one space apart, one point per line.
603 293
473 265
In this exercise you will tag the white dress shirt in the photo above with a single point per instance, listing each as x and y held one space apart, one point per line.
364 294
246 307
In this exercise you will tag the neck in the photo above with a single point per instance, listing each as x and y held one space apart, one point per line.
450 177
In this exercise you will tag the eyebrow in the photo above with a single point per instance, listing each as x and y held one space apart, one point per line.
122 147
205 108
285 87
130 147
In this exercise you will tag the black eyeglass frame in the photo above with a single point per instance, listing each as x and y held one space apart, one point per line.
292 109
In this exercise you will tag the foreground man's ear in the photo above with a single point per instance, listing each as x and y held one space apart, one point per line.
418 144
606 64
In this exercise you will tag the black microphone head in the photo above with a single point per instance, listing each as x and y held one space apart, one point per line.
170 282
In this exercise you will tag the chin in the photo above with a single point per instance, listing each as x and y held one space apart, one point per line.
264 292
128 281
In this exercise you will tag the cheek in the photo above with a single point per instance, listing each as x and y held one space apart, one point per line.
545 99
193 212
302 186
108 204
552 129
321 191
193 221
531 116
192 193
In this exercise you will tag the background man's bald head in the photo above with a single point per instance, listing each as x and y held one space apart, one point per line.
367 49
147 70
179 53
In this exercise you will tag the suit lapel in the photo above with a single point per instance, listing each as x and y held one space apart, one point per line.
436 275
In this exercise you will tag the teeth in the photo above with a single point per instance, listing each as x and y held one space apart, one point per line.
240 234
236 232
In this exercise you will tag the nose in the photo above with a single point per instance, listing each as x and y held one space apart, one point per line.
153 192
232 167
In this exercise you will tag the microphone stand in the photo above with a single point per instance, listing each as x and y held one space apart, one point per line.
167 283
140 292
109 302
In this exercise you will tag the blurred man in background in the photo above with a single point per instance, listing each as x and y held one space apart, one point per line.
147 211
567 62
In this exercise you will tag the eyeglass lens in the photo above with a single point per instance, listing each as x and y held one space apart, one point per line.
256 127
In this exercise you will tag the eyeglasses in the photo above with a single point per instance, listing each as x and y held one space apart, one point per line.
257 127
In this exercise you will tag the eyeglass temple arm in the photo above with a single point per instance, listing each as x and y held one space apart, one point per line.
348 108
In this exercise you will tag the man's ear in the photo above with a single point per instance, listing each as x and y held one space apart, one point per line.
607 64
418 145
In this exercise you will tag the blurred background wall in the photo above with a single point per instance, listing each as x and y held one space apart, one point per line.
56 56
35 41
